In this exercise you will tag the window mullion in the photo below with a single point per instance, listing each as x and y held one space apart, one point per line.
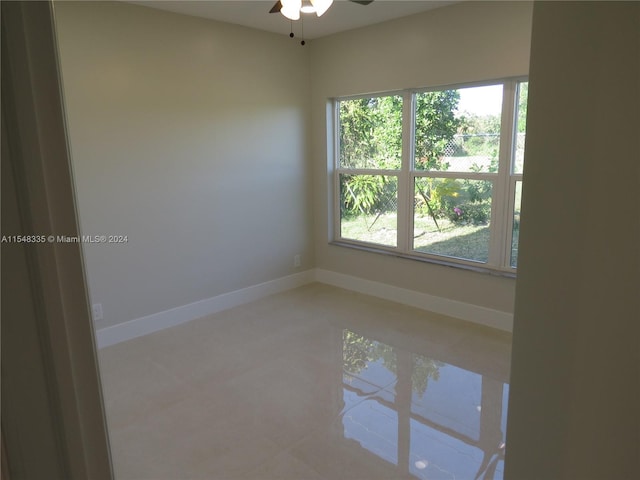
457 175
367 171
404 180
499 211
335 163
509 220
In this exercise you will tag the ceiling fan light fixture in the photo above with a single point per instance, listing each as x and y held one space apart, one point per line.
307 8
321 6
291 9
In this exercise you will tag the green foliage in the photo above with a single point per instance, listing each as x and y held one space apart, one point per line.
472 204
434 195
359 351
477 213
460 201
360 193
480 137
367 194
522 106
423 369
371 137
481 124
371 132
355 352
436 125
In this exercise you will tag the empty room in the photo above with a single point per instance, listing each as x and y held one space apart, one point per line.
327 240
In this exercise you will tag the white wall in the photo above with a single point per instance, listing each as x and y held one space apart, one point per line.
574 405
461 43
190 137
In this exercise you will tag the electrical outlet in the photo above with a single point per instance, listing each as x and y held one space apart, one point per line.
96 309
296 260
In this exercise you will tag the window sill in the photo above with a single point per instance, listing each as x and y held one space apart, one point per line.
442 261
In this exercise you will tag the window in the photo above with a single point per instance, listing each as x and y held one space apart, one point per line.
433 174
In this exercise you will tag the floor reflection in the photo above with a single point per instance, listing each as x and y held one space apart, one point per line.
316 383
428 418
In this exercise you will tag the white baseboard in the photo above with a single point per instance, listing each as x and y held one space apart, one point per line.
175 316
453 308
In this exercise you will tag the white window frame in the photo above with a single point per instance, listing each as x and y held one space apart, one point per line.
504 181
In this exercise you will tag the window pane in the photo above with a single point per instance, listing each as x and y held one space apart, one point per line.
458 130
371 132
369 208
451 217
515 232
521 127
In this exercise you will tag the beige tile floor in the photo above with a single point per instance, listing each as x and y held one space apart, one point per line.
314 383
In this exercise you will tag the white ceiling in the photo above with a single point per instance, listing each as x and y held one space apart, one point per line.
343 15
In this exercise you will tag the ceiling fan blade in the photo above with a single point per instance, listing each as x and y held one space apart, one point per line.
276 8
278 5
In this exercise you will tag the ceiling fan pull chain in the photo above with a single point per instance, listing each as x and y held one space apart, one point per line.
291 34
302 42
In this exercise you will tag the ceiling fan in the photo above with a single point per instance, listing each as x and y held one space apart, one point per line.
292 8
